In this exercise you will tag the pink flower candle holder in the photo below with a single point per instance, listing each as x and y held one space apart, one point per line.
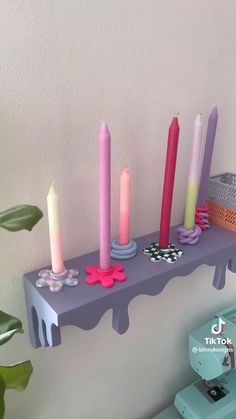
105 277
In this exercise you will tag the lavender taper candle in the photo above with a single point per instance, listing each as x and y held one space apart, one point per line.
105 196
105 273
207 158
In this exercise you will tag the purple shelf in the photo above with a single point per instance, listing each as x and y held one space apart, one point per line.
84 305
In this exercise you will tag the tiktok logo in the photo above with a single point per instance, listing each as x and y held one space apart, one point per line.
218 328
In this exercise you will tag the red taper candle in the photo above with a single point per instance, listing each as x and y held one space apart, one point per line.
168 185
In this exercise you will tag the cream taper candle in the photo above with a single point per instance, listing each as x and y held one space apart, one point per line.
55 231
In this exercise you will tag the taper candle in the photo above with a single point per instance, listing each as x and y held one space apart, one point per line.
207 158
105 196
164 250
194 174
105 273
168 185
55 231
124 221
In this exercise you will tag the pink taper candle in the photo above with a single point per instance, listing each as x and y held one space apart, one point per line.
55 232
124 207
105 196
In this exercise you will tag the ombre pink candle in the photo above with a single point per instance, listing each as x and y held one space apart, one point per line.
55 232
124 223
105 196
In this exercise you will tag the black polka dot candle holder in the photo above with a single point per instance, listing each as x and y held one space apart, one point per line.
157 254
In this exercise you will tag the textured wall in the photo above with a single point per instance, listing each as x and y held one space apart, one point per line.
64 66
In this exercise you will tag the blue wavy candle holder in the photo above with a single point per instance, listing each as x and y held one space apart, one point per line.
123 251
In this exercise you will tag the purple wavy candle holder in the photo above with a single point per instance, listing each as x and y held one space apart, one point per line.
123 251
84 306
186 236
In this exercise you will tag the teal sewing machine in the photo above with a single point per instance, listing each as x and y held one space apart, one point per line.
212 355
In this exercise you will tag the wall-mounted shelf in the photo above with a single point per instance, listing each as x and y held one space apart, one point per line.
84 305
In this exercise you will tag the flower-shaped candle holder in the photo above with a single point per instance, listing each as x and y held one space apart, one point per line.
105 277
56 282
190 236
170 255
123 251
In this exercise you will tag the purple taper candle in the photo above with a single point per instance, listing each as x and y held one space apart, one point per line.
105 196
206 164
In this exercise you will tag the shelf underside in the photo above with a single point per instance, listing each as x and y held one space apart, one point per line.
84 305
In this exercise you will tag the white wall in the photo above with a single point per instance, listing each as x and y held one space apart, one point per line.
64 66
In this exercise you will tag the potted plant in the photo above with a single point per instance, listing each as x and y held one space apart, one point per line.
15 376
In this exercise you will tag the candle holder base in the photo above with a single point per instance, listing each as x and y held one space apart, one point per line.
123 251
105 277
202 218
170 255
191 236
56 282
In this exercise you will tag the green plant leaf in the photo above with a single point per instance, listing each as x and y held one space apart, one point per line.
2 404
16 376
20 217
9 325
